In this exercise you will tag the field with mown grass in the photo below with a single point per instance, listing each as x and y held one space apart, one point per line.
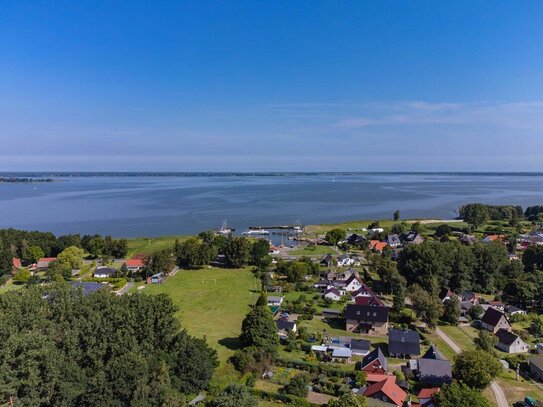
143 245
212 303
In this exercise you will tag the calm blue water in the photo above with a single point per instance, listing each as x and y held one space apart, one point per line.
148 206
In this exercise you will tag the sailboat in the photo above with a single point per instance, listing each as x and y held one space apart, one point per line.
225 230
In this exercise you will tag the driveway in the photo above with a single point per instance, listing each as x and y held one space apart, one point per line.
496 389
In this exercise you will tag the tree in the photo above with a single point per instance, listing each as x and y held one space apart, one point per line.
6 262
396 215
475 214
451 310
417 227
260 253
259 329
485 341
22 276
190 254
428 307
73 256
398 228
348 400
297 386
476 368
335 236
398 286
476 311
32 254
234 396
460 395
96 247
443 230
237 252
159 262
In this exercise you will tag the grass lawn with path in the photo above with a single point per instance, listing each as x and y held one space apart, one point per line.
464 341
144 245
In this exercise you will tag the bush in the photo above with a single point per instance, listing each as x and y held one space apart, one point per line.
297 386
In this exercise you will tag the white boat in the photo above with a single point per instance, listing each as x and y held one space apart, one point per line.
225 230
256 232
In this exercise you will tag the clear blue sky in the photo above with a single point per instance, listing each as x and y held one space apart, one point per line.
271 85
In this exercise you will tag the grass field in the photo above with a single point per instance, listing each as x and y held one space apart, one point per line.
212 303
516 390
143 245
464 341
312 251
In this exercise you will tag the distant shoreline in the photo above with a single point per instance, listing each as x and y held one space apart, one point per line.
17 180
40 174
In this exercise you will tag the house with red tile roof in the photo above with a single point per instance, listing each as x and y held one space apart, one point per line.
377 245
387 390
426 397
43 263
134 265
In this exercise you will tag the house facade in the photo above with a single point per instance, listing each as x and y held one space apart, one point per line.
511 343
494 320
366 319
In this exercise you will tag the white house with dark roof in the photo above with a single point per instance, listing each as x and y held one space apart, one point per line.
511 343
332 294
494 320
275 301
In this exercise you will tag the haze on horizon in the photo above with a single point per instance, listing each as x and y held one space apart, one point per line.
271 86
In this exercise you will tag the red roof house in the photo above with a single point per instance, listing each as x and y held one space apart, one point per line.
16 263
387 390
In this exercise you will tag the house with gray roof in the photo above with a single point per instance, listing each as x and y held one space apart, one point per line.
403 343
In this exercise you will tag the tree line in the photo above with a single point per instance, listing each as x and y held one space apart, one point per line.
61 348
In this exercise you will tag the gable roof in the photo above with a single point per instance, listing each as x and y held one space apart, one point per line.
351 278
283 325
360 344
403 342
435 371
433 353
366 313
135 263
537 361
505 337
333 291
374 355
428 393
342 353
492 316
367 300
105 270
378 245
16 263
389 388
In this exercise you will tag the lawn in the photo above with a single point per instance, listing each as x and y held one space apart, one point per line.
311 251
460 338
143 245
516 390
212 303
442 346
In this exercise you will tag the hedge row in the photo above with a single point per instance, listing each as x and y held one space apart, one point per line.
312 368
285 398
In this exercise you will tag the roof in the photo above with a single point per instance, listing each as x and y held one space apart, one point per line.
16 263
105 270
367 300
492 316
374 355
393 239
428 393
389 388
331 311
360 344
333 291
46 259
352 278
157 275
433 353
467 295
537 361
378 245
283 325
135 262
274 298
403 342
343 257
342 353
505 337
88 287
366 313
435 371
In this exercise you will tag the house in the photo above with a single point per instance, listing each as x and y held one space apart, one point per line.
445 294
465 306
341 355
376 231
387 390
363 291
470 296
512 310
394 241
433 368
88 287
536 367
284 327
412 238
468 240
372 301
494 320
491 238
332 294
366 319
104 272
510 343
330 314
327 261
274 301
353 283
497 305
377 245
403 343
157 278
426 397
344 260
374 362
356 240
16 263
134 265
360 347
43 263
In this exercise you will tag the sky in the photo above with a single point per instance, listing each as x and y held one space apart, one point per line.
271 85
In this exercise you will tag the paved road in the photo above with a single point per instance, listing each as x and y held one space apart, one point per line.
496 389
